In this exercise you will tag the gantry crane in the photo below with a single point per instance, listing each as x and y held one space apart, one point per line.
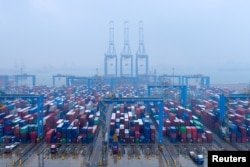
110 59
59 76
182 87
204 80
126 59
141 61
163 78
25 76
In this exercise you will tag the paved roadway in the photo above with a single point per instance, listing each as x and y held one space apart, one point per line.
97 150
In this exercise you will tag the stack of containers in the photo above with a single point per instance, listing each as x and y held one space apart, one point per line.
59 132
1 130
238 136
84 135
131 131
122 133
189 134
75 134
49 135
233 130
24 131
8 127
185 117
126 135
137 131
152 131
173 134
90 135
243 132
199 134
147 131
33 133
194 133
209 119
183 134
209 136
248 134
17 132
138 113
69 130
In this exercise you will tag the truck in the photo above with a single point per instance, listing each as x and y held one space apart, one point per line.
197 158
10 148
54 148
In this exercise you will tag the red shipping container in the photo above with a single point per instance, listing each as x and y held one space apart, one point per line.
194 130
183 136
189 130
241 111
239 117
137 134
164 132
167 123
243 139
243 131
137 128
166 110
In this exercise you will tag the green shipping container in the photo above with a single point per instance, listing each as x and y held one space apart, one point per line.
90 135
96 121
118 107
63 141
172 110
2 139
183 129
136 140
15 122
24 129
156 117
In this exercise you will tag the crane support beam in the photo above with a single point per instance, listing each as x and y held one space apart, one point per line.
61 76
24 76
162 78
205 80
182 87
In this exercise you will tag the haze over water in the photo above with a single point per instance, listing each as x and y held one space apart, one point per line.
46 37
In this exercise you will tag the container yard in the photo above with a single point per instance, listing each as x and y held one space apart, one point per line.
97 126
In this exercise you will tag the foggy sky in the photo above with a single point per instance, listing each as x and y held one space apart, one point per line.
210 37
